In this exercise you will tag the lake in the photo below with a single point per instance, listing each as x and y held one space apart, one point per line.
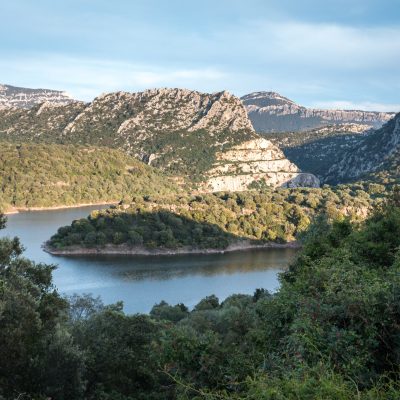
142 281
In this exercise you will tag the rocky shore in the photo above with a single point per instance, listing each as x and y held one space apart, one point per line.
16 210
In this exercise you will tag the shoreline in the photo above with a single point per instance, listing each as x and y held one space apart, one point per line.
143 251
17 210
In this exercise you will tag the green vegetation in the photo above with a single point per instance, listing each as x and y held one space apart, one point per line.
388 174
43 123
38 175
212 220
317 150
330 332
165 135
375 158
188 153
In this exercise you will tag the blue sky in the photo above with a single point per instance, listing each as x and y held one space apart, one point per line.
321 53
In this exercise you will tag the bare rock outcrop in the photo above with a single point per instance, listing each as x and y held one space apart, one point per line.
257 161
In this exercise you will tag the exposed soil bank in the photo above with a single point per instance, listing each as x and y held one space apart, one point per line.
16 210
143 251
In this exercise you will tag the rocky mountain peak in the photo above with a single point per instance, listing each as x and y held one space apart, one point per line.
265 99
137 116
12 96
271 112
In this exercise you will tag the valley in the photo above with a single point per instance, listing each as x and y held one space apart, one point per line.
199 200
189 205
170 162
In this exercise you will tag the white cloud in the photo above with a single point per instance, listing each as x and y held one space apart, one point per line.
349 105
294 44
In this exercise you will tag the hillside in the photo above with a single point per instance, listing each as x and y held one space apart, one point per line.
271 112
376 155
39 175
181 132
12 96
318 149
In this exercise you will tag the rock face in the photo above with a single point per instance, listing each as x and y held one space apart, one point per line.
185 133
377 152
271 112
255 161
132 119
12 96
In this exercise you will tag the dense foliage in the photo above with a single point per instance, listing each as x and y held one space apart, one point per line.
211 220
188 153
34 175
330 332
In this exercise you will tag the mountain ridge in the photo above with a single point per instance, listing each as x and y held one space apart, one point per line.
20 97
271 112
178 131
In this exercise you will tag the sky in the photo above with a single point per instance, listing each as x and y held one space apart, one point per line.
319 53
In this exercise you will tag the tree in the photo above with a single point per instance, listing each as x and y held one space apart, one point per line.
37 353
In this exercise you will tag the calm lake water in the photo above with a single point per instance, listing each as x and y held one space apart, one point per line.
142 281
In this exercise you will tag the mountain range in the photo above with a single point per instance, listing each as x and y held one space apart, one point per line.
268 111
201 138
271 112
12 96
211 139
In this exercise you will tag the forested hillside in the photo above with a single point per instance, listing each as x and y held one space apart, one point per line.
38 175
330 332
377 153
317 150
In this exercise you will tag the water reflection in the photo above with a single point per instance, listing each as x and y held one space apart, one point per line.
140 268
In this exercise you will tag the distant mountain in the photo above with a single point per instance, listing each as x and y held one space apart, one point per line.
182 132
12 96
374 157
271 112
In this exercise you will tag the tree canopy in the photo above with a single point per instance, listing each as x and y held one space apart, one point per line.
330 332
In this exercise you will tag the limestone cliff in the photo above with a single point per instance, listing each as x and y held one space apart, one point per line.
255 161
12 96
271 112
